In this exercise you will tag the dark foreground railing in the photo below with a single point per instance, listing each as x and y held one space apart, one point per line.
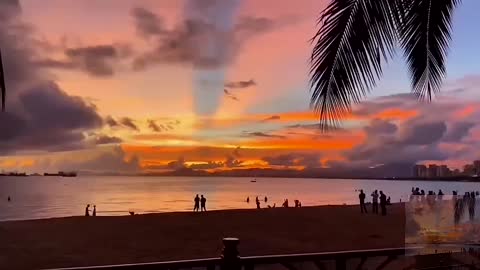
358 259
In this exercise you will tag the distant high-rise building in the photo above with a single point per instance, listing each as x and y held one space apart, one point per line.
469 170
443 171
432 171
420 171
476 166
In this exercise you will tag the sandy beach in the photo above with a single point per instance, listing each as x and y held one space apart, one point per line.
83 241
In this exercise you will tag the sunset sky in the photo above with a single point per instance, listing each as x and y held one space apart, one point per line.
148 85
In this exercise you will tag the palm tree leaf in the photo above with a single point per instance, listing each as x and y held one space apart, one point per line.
425 35
2 82
354 38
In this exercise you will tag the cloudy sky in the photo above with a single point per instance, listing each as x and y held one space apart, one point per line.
148 85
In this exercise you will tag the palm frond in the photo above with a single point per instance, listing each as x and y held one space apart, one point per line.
2 82
354 38
425 36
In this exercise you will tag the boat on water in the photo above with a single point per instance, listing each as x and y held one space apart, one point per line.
62 174
15 174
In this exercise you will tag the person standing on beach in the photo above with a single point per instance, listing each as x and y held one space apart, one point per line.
361 197
196 207
248 199
471 206
87 210
203 202
266 199
383 203
375 202
94 213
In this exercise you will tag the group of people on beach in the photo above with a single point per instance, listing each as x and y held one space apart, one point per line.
376 196
200 203
461 204
285 202
87 210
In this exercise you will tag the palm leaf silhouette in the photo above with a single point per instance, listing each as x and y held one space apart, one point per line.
425 36
357 36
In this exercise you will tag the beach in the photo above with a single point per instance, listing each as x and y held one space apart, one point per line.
101 240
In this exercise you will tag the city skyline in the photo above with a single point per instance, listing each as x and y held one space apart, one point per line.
121 88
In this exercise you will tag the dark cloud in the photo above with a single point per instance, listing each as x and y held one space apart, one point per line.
236 152
263 134
112 160
232 162
105 139
199 40
153 126
282 160
95 60
177 164
422 133
378 126
240 84
49 120
207 166
271 118
111 122
457 131
307 160
128 122
147 23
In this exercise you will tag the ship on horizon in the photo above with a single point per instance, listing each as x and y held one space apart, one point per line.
62 174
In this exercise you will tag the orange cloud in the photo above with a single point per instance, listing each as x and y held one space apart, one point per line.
465 112
396 114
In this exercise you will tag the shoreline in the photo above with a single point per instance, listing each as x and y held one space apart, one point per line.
101 240
460 179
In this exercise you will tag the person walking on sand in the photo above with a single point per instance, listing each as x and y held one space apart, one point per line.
361 197
266 199
248 199
375 202
383 203
94 213
87 210
258 203
203 202
196 207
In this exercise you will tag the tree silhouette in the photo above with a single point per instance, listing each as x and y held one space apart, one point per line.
356 37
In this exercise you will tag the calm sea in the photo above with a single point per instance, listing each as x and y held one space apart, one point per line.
45 197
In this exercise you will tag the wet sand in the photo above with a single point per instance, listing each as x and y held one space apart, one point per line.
83 241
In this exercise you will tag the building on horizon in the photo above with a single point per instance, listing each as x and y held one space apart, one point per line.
420 171
443 171
432 170
476 166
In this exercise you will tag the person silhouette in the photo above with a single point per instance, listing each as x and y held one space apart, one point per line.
94 213
248 199
375 202
9 199
266 199
258 204
471 206
87 210
203 202
383 203
361 197
196 207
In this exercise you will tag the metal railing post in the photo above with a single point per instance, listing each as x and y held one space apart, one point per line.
230 256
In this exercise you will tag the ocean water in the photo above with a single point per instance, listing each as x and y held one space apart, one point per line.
45 197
